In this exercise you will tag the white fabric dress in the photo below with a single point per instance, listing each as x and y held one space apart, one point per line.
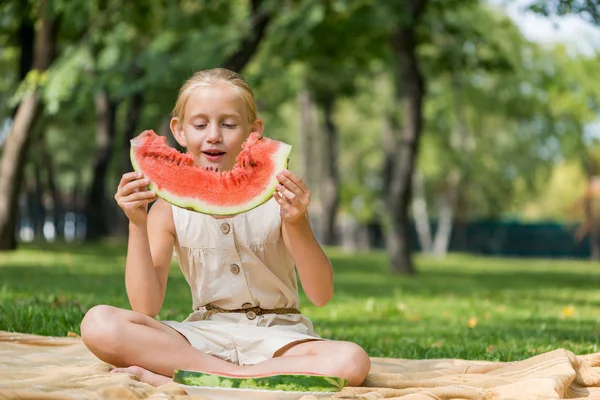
235 263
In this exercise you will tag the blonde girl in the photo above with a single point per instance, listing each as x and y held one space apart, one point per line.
241 269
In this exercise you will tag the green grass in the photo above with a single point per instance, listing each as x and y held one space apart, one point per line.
517 308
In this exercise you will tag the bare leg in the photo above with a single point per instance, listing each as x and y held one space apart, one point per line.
334 358
152 351
126 338
144 375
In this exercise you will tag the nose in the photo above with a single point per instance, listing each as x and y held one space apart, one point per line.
214 134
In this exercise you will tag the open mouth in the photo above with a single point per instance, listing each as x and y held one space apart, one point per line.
213 154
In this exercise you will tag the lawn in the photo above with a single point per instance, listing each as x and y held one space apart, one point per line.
461 307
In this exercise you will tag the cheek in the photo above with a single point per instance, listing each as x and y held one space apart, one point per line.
236 141
193 140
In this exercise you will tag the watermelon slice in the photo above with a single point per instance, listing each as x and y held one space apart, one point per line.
174 177
285 382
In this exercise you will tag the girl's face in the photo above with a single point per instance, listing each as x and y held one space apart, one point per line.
214 127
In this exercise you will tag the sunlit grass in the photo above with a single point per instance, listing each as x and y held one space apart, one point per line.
461 307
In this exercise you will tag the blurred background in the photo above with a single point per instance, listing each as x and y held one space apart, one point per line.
428 126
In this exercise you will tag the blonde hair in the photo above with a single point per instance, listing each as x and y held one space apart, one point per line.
212 77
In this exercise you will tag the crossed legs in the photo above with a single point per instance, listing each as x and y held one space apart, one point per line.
138 344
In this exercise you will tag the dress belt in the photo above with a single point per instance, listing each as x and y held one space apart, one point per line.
251 312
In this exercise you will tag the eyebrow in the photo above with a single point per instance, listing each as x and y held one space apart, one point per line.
236 115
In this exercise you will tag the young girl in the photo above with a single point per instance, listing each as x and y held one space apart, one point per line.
240 268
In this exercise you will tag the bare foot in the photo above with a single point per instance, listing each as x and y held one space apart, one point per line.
144 375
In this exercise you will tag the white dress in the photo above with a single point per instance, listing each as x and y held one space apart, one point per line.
237 263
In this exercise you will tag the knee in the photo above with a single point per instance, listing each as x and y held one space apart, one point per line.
354 363
100 328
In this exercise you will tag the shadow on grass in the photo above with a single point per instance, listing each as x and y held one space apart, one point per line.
46 299
368 275
499 340
106 247
98 268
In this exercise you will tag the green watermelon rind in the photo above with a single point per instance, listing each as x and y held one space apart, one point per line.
283 382
280 162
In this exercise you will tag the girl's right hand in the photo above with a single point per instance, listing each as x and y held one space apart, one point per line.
133 196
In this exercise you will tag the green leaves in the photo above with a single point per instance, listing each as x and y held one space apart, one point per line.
588 9
64 76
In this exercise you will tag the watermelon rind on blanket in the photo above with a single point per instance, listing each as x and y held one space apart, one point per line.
282 382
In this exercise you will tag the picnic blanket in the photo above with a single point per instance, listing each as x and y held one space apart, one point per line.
41 367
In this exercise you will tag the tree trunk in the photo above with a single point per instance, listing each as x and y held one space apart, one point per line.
310 158
330 176
462 144
306 136
39 211
57 209
15 148
446 214
26 42
420 213
409 93
28 217
259 21
95 210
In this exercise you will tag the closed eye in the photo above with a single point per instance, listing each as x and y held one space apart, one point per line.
230 126
199 126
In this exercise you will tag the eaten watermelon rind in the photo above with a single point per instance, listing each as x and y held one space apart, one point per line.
284 382
279 159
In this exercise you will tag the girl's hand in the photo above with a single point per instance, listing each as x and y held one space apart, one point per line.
293 196
133 197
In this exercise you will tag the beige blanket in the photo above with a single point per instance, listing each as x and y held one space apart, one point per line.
38 367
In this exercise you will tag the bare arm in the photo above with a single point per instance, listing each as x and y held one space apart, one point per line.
314 268
150 247
149 254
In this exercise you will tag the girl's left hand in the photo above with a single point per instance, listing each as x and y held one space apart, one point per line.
293 196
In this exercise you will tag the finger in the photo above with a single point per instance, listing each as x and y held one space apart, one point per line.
290 185
283 202
146 194
292 197
132 206
135 185
128 177
287 211
296 179
286 181
302 198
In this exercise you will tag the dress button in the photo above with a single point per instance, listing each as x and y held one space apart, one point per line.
250 315
234 269
246 305
225 228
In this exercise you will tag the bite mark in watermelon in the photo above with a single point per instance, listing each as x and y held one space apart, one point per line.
289 382
174 177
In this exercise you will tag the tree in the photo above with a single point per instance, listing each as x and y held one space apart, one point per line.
588 9
123 60
402 154
30 106
325 41
466 41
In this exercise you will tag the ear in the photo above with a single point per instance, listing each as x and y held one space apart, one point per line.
258 126
177 131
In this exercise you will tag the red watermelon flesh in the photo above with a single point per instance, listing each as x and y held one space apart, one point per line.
174 177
